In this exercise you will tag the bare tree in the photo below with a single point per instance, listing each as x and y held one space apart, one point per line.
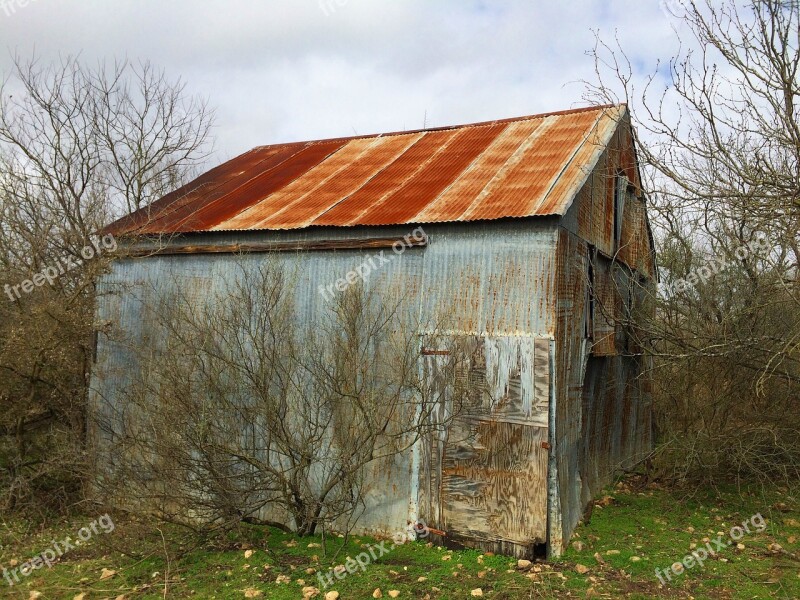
719 146
78 147
245 412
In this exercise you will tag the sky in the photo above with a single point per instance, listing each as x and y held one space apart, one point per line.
290 70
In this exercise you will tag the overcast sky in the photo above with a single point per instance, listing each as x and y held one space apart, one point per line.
281 70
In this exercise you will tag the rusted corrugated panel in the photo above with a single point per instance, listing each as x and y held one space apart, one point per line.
477 180
635 249
603 407
385 183
298 192
524 188
354 176
433 177
205 208
567 184
514 168
282 170
606 309
229 173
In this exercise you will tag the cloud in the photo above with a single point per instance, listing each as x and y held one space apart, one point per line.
284 70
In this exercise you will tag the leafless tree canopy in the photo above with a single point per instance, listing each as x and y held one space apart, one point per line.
239 412
719 145
78 146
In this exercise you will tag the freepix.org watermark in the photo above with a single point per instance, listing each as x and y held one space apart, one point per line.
10 6
328 7
700 555
760 245
50 556
415 531
50 274
373 263
675 8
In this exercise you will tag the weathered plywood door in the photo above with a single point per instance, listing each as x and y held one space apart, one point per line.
484 473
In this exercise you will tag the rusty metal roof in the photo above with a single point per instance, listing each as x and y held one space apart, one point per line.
522 167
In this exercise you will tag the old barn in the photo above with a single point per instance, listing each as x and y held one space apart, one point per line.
535 234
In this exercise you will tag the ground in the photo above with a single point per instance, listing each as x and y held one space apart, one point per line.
634 529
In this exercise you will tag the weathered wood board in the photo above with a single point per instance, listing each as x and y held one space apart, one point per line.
484 476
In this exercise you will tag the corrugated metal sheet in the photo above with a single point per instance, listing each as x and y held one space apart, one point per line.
515 168
494 282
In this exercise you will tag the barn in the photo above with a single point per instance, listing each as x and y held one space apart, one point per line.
534 230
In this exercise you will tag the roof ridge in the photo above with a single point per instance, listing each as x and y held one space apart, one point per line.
555 113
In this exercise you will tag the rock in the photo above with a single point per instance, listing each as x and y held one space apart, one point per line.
582 569
377 593
477 592
332 596
524 564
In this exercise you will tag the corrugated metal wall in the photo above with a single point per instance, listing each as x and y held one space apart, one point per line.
603 410
496 279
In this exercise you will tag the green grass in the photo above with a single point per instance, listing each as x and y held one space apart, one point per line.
634 521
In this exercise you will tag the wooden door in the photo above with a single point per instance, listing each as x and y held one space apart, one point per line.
484 475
